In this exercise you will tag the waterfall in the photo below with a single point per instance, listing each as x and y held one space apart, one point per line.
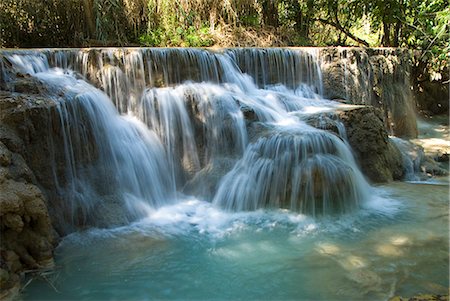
190 113
139 124
111 159
302 169
413 156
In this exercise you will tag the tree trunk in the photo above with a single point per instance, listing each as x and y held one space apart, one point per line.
386 41
397 30
270 13
89 15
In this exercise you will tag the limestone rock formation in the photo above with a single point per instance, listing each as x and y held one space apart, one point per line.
205 182
27 236
377 77
378 157
376 154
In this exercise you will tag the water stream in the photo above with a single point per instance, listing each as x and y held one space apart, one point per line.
192 250
209 184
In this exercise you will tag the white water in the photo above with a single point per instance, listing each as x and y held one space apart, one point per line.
191 250
156 139
167 117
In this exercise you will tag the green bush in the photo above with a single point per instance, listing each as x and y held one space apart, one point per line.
177 37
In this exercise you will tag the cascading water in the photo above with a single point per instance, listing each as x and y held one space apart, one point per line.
194 101
195 174
302 169
111 160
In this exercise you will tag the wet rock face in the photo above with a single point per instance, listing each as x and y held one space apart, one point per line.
205 182
432 97
379 159
377 77
29 117
27 236
32 128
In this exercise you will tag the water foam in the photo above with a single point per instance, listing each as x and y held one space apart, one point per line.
177 111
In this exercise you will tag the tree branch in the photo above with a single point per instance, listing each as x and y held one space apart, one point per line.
343 30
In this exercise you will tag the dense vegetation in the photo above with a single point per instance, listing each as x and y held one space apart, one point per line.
418 24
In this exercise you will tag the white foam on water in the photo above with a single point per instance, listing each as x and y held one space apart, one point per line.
159 137
190 217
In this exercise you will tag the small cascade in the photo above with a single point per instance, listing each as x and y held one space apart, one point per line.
302 169
29 62
111 160
270 67
413 156
139 125
196 122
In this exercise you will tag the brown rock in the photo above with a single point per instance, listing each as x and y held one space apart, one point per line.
425 297
12 260
28 85
12 221
5 155
377 77
9 200
4 276
27 236
205 183
379 159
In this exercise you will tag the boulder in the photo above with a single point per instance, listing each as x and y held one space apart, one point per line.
205 182
377 77
379 159
363 127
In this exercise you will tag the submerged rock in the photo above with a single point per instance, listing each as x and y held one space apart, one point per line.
427 297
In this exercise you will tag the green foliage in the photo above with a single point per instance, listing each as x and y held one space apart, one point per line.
250 20
178 37
427 28
108 15
152 38
37 23
52 23
417 24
